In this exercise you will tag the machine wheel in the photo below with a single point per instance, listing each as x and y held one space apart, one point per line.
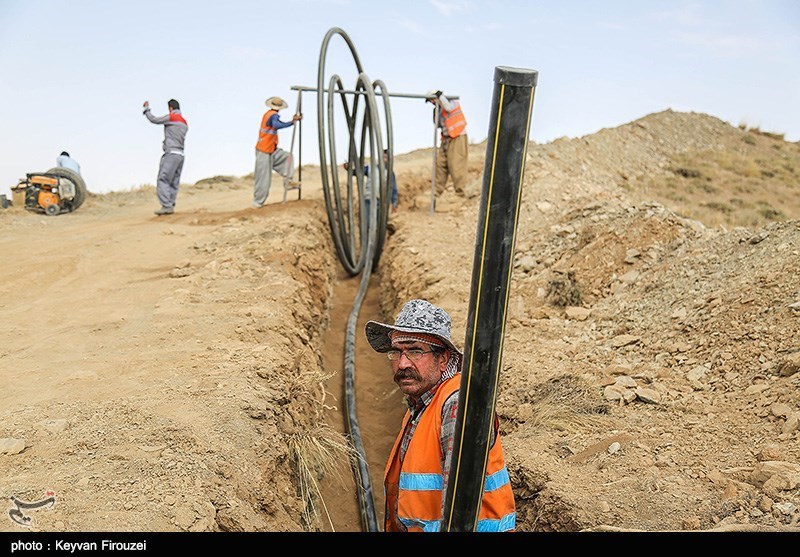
52 210
80 185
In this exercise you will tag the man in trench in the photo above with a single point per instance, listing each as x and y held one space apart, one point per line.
426 365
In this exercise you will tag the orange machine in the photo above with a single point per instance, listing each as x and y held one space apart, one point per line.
59 190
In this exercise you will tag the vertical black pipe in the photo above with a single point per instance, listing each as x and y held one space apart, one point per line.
507 142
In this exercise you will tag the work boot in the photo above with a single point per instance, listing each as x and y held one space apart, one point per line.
164 211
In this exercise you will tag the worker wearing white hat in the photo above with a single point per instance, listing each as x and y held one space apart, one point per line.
269 156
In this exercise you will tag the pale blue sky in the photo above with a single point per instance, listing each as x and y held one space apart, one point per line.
74 74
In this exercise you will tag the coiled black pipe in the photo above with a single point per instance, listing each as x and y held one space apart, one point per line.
358 240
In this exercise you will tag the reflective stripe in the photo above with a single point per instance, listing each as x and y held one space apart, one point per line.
505 524
421 482
496 480
508 522
454 121
426 525
267 135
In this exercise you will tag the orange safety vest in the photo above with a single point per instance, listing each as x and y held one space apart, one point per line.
267 135
454 121
414 487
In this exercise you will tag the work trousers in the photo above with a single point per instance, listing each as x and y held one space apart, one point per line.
451 160
281 162
169 179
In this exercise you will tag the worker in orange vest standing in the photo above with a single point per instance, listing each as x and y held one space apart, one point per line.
269 156
451 159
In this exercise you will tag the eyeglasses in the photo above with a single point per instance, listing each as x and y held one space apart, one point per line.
413 354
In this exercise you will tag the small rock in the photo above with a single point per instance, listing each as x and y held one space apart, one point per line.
55 426
622 369
624 340
613 394
730 493
625 381
577 313
527 263
765 504
613 447
632 255
756 389
717 477
792 424
606 381
9 445
780 410
650 396
697 373
770 452
789 366
786 508
776 475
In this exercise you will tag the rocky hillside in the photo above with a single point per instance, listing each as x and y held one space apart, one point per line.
650 378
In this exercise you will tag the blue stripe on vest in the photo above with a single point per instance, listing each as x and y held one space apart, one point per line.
271 132
496 480
508 522
426 525
421 482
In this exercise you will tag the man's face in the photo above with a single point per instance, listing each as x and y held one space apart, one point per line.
416 377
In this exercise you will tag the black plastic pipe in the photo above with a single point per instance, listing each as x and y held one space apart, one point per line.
506 148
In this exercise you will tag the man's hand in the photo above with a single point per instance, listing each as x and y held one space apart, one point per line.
297 117
146 105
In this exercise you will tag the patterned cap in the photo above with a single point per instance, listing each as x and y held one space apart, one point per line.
417 316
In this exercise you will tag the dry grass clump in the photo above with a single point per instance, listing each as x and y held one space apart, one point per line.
316 450
566 403
563 290
314 453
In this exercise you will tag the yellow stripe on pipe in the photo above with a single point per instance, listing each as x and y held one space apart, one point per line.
454 477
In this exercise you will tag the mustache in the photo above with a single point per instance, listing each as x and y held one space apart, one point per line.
406 374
